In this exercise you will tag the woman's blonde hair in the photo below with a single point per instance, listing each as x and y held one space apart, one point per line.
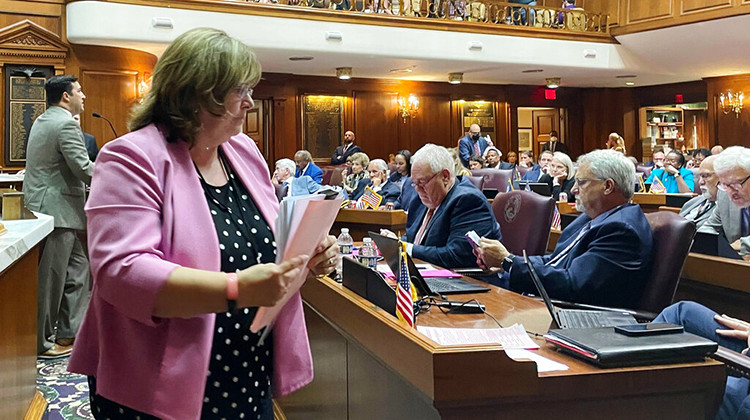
362 159
197 71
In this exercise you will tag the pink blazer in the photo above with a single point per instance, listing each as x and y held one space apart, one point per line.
147 216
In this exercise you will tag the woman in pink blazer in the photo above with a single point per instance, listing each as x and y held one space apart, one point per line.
180 225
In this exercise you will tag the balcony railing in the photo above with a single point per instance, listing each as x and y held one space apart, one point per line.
479 11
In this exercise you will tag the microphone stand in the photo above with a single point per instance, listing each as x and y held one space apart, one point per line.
97 115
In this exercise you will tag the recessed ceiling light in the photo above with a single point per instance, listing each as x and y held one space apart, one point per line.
455 78
301 58
407 69
626 76
553 82
532 71
629 83
344 73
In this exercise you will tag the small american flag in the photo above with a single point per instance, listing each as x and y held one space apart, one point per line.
657 187
556 219
641 184
510 186
370 198
404 296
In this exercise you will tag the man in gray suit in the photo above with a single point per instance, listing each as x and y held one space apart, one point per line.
699 208
57 170
732 215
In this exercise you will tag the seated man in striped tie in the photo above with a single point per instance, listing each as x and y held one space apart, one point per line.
447 208
700 208
604 256
732 215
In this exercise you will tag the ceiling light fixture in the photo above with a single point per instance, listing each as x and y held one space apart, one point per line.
629 83
301 58
344 73
455 78
553 82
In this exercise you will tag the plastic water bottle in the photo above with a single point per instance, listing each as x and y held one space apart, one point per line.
345 242
368 255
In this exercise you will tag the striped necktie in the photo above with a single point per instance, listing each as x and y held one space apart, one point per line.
423 229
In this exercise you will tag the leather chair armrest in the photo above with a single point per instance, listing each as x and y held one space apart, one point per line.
737 364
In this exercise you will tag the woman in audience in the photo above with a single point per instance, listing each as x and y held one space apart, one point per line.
476 162
460 169
615 141
675 177
403 167
561 177
182 247
359 172
512 158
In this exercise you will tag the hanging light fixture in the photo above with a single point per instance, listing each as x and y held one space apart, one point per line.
731 102
344 73
408 107
553 82
455 78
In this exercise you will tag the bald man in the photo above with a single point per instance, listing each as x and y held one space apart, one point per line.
471 144
345 150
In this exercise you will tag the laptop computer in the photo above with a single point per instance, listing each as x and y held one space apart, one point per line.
490 193
426 286
577 318
713 244
541 188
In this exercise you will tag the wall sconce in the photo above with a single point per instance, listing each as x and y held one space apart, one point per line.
553 82
408 107
344 73
144 86
455 78
731 102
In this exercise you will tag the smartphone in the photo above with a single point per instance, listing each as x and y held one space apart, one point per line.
637 330
473 239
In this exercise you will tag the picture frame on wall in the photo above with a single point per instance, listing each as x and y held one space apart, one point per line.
524 139
25 99
322 123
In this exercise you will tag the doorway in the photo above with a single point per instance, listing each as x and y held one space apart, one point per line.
535 124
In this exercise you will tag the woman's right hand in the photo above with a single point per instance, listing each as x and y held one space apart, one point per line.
344 173
266 284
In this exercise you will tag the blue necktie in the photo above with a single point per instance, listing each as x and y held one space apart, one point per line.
745 222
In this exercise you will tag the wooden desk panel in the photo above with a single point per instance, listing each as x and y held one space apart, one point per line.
651 202
360 222
395 372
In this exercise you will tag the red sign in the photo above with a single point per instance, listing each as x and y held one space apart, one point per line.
678 98
550 94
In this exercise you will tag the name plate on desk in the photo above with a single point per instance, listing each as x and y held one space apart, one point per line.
12 206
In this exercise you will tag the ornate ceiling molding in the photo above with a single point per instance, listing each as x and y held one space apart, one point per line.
28 40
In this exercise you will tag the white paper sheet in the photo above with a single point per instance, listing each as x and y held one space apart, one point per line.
543 364
513 337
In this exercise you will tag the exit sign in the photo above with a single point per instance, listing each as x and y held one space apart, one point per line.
550 94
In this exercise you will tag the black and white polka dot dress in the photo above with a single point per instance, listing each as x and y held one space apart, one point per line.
239 379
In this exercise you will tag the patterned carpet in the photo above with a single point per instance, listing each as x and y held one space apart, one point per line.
66 393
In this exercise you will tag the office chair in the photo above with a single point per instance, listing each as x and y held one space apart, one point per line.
281 191
478 181
525 219
494 178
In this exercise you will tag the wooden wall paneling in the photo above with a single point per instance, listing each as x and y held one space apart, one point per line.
45 14
111 94
642 11
376 122
432 124
728 130
697 6
504 138
610 7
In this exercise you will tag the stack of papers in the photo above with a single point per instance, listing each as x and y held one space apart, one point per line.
513 337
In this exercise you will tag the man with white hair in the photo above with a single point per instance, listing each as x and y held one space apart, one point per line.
284 175
447 208
379 183
604 256
699 209
732 216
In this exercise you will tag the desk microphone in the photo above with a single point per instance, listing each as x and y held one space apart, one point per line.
97 115
461 307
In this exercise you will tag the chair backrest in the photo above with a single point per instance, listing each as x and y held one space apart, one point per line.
673 237
281 191
336 178
525 220
696 177
478 181
522 169
645 169
494 178
327 173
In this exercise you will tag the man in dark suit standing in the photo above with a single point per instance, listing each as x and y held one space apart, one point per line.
554 144
447 208
344 151
471 144
305 166
604 256
57 170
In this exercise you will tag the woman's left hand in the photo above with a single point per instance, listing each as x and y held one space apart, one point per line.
325 257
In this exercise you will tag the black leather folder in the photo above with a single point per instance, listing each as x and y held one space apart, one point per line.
606 348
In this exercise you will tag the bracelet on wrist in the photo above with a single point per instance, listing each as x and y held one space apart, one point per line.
233 291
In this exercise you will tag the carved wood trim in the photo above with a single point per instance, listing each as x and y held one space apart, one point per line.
27 40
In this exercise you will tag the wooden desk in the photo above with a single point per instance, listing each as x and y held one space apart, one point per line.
369 366
651 202
360 222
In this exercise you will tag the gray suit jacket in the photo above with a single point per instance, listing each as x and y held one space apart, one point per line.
57 169
725 220
693 204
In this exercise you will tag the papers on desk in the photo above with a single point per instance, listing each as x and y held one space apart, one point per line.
513 337
543 364
302 223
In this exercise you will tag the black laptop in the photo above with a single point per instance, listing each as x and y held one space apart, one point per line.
426 286
713 244
577 318
541 188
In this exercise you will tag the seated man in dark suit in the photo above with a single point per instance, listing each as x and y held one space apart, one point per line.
345 150
533 174
447 208
700 208
305 166
492 158
379 182
604 256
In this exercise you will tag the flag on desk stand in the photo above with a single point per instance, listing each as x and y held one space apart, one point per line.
556 219
641 184
657 187
405 293
370 198
510 188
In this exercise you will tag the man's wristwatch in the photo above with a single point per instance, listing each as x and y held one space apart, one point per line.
508 262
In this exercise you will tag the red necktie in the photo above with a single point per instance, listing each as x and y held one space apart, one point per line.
423 229
476 148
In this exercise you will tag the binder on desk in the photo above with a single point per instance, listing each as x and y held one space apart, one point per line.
606 348
713 244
